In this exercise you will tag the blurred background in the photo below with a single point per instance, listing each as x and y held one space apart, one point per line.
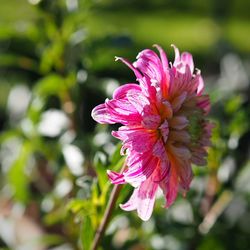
56 64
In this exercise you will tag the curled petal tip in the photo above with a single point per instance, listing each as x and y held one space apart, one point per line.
198 71
155 45
117 58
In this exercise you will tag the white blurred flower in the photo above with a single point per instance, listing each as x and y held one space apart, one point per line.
53 122
74 159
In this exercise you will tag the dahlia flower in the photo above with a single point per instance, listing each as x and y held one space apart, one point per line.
164 127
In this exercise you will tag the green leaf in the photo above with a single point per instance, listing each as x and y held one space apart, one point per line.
116 156
54 217
17 177
50 85
77 205
49 239
86 233
242 183
100 163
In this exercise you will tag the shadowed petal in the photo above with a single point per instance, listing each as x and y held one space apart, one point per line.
178 122
186 175
203 102
169 186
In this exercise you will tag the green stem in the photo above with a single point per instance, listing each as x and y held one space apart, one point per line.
106 217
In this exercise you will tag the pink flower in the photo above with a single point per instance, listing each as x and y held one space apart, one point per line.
165 129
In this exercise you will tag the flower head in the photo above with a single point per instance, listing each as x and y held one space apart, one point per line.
164 127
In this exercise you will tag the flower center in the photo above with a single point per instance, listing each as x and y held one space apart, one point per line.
195 126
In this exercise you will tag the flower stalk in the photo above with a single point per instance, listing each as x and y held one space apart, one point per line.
107 214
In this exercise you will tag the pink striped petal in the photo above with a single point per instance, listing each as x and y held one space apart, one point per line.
142 199
115 178
121 92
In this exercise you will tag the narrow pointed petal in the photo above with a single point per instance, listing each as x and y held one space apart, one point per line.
163 56
200 83
187 59
177 55
130 65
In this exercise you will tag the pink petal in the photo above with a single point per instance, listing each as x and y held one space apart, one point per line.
122 111
149 64
166 76
163 171
115 178
150 121
146 194
116 111
170 186
159 149
147 88
187 59
177 58
200 86
142 199
132 203
121 92
183 61
101 114
163 56
138 138
137 73
141 170
138 100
